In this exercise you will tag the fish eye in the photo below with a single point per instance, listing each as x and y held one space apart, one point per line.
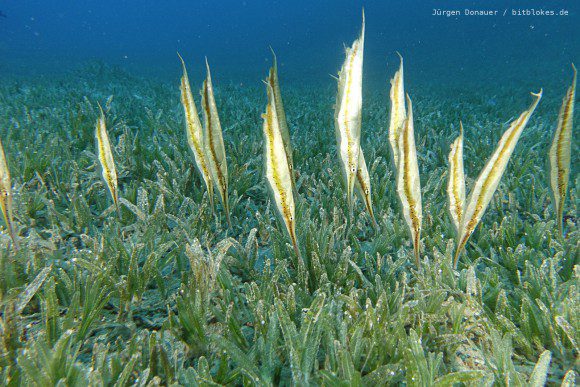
367 191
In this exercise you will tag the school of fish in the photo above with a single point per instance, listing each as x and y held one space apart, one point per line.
206 143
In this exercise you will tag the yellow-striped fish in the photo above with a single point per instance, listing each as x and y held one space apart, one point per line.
214 143
398 112
456 182
194 132
490 176
277 167
108 169
363 186
560 153
273 81
347 115
408 182
6 197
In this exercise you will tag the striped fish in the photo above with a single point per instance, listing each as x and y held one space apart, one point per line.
489 178
456 182
214 143
398 112
6 197
277 167
274 83
408 182
560 153
105 153
194 132
347 115
363 186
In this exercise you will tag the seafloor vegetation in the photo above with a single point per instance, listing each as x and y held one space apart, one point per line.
167 294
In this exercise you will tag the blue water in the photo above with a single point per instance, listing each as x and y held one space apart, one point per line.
52 37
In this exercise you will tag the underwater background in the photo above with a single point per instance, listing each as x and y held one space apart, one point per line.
166 293
39 37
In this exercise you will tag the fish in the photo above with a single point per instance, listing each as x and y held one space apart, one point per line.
363 186
214 142
108 170
398 112
348 111
6 197
194 133
560 153
490 176
456 181
283 123
408 181
277 167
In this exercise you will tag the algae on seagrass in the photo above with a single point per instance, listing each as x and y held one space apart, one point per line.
194 132
561 151
490 176
348 113
214 142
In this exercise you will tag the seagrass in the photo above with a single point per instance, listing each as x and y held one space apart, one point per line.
166 296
